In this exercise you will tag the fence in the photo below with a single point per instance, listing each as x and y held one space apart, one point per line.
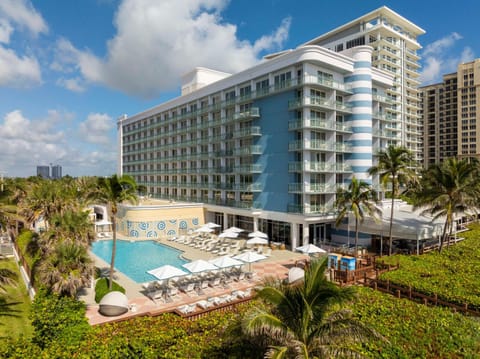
409 293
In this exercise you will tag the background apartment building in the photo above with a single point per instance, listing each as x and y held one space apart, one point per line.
395 46
451 115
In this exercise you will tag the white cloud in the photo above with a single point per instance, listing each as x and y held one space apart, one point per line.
75 84
27 143
441 58
158 41
22 13
96 128
18 71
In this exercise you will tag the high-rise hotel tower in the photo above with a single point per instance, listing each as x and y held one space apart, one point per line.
267 148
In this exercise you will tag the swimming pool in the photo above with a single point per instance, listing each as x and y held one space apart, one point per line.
134 259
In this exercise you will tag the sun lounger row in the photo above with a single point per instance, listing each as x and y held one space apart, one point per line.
212 302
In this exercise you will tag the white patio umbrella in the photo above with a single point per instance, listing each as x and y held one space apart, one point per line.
234 229
166 271
199 265
249 257
258 234
211 225
257 240
203 229
225 262
227 234
310 249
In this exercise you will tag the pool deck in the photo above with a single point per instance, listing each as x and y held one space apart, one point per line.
276 265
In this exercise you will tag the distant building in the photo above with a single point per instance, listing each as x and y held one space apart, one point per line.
43 171
451 115
56 172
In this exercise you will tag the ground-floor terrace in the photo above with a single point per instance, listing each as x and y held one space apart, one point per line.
142 303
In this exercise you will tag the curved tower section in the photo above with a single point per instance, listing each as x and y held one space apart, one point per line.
361 119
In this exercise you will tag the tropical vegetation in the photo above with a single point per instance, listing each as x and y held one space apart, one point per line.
298 321
447 190
451 274
394 168
358 199
113 191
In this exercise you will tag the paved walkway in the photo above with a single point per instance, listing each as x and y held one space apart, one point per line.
276 265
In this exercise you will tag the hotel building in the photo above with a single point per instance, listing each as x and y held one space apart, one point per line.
395 46
266 148
451 115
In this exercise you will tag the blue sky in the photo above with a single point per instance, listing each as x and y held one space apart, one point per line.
70 68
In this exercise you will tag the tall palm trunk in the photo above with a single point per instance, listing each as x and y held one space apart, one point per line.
114 250
390 238
444 235
356 238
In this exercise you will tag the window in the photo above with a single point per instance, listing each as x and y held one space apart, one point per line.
262 87
282 80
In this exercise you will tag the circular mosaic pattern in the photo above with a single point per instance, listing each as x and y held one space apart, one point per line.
195 221
152 234
134 233
171 232
183 225
161 225
143 226
173 221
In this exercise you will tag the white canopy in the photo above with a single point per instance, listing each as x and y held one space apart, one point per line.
228 235
166 271
211 225
204 229
249 257
234 229
258 234
199 265
257 240
225 262
310 249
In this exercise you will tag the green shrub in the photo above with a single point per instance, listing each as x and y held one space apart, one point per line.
101 288
59 321
27 244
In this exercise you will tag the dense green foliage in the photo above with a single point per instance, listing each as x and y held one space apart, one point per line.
27 244
58 320
102 288
414 330
14 306
452 274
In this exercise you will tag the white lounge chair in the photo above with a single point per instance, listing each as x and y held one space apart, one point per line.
187 308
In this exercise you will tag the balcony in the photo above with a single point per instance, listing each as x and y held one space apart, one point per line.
327 83
251 113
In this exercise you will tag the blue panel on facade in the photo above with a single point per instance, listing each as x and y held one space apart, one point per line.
274 160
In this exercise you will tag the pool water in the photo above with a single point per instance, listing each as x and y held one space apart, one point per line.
134 259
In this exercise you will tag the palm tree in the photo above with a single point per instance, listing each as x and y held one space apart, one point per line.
113 191
360 199
7 277
394 169
448 189
299 321
66 269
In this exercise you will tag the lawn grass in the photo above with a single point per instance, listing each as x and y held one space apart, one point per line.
14 306
451 274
